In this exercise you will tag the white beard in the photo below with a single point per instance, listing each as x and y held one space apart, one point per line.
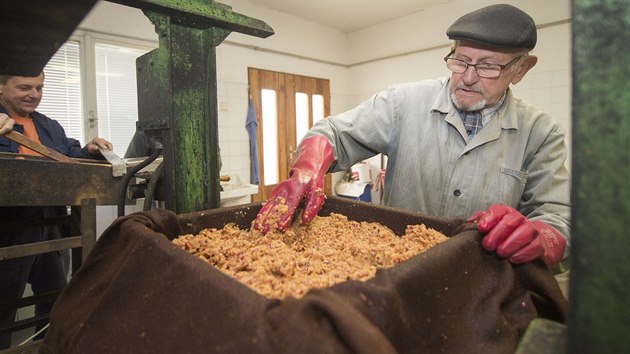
479 105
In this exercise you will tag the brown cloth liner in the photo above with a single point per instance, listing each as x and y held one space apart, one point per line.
138 293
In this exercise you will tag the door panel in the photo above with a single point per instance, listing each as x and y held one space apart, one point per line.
278 131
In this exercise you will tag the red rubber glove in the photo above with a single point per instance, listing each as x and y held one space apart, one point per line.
513 236
306 180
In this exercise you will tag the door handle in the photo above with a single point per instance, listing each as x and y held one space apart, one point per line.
92 119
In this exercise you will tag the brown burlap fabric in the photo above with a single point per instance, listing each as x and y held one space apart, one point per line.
137 293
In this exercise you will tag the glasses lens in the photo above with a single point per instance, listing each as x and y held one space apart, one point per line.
488 71
456 66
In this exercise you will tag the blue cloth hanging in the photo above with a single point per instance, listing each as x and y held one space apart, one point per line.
251 124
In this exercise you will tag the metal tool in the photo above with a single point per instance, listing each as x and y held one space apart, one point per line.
35 146
119 167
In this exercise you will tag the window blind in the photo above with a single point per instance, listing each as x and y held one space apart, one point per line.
62 96
116 93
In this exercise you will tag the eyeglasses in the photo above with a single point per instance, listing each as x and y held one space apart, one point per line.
485 70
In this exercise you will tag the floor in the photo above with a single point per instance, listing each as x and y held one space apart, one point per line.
23 313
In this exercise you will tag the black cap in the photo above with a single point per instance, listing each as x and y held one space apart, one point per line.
499 25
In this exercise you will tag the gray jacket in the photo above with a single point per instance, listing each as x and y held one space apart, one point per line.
517 159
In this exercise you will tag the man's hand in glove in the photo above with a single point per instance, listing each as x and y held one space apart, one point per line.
513 236
306 181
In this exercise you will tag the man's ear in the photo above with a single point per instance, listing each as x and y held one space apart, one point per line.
528 63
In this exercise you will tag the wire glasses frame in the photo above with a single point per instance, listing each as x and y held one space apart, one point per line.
485 70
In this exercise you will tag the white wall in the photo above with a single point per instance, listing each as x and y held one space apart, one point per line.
422 43
357 64
411 48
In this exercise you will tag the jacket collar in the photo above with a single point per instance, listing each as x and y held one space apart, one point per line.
505 115
37 117
504 118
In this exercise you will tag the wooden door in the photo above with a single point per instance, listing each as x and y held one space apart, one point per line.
286 106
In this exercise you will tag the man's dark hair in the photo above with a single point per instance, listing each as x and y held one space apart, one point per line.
5 78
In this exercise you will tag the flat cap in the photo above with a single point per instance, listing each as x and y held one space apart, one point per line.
499 25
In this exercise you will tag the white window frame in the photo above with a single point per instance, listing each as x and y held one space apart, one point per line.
87 42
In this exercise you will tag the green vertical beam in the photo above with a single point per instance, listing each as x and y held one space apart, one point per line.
195 129
599 306
177 94
177 83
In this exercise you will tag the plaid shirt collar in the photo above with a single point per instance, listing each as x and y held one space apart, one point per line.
475 120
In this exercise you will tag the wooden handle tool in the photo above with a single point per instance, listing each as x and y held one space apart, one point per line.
35 146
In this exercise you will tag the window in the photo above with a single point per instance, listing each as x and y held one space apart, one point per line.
302 116
114 110
318 108
270 136
62 99
302 122
116 92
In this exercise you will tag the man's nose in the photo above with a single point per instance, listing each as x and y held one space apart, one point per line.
470 75
33 93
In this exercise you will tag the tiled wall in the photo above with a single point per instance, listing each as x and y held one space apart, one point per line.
233 138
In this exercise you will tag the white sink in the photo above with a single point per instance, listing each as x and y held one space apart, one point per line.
235 191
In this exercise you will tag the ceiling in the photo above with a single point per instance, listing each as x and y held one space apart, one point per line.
348 15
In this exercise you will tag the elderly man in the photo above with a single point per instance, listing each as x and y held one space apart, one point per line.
454 146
